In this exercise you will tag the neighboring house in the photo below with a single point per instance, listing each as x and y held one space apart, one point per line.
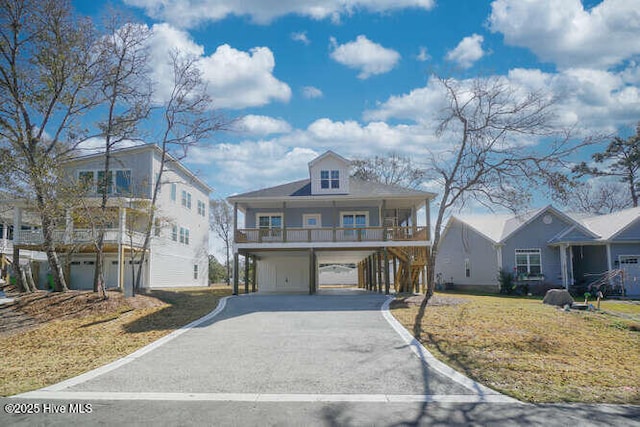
544 248
179 245
330 218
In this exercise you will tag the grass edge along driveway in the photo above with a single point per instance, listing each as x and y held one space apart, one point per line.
72 343
535 352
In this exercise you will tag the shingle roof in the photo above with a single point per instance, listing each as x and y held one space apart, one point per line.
607 226
498 227
357 188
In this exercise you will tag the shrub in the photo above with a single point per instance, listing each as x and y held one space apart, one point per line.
506 281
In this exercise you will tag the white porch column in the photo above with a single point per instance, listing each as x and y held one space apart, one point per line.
563 266
571 278
68 228
609 266
121 240
17 224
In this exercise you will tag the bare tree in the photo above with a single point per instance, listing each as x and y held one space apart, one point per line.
492 159
620 159
125 88
393 169
47 70
598 198
221 223
187 119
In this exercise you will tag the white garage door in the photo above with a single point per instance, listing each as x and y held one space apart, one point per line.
630 264
82 274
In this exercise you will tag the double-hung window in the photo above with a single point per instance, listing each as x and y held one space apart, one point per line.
352 221
270 225
529 263
201 208
184 235
330 179
105 183
85 179
186 199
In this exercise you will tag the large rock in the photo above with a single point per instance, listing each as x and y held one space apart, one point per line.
558 297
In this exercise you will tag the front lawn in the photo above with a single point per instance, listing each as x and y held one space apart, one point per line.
535 352
58 336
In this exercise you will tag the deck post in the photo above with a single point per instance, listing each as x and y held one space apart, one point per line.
427 212
368 284
395 272
312 271
235 221
284 222
335 219
246 273
235 273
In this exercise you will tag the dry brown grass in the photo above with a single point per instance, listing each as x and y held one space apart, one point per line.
535 352
77 331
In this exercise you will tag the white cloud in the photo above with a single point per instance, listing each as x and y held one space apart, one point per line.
468 51
301 37
423 55
189 13
364 55
563 32
593 99
311 92
235 79
261 125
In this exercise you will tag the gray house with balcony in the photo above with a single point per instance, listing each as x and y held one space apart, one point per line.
331 218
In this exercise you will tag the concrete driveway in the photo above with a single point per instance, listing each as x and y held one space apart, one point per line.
329 359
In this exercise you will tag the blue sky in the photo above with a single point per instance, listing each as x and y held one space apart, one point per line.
353 76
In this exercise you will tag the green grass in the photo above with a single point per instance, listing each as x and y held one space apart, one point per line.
535 352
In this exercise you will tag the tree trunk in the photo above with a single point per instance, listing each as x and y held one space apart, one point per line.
59 281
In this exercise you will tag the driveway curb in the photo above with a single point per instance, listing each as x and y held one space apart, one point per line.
129 358
429 360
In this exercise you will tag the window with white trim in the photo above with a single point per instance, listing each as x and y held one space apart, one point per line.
174 233
529 263
268 221
186 199
467 267
174 190
201 208
329 179
184 235
118 181
195 271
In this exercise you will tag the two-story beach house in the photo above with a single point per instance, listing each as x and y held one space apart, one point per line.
178 251
331 218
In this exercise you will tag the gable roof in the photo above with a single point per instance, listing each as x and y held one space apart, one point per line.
326 154
609 226
499 227
602 228
141 148
358 188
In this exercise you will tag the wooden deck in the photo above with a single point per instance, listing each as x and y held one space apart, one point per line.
332 234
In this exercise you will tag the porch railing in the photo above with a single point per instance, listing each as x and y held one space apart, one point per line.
330 234
78 236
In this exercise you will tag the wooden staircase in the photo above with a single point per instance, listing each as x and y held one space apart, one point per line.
412 261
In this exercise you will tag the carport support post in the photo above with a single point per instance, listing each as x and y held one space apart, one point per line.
312 271
235 273
246 273
254 273
379 259
387 284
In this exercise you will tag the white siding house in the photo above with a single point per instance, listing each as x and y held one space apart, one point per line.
178 248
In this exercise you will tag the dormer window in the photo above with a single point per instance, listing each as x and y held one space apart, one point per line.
330 179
